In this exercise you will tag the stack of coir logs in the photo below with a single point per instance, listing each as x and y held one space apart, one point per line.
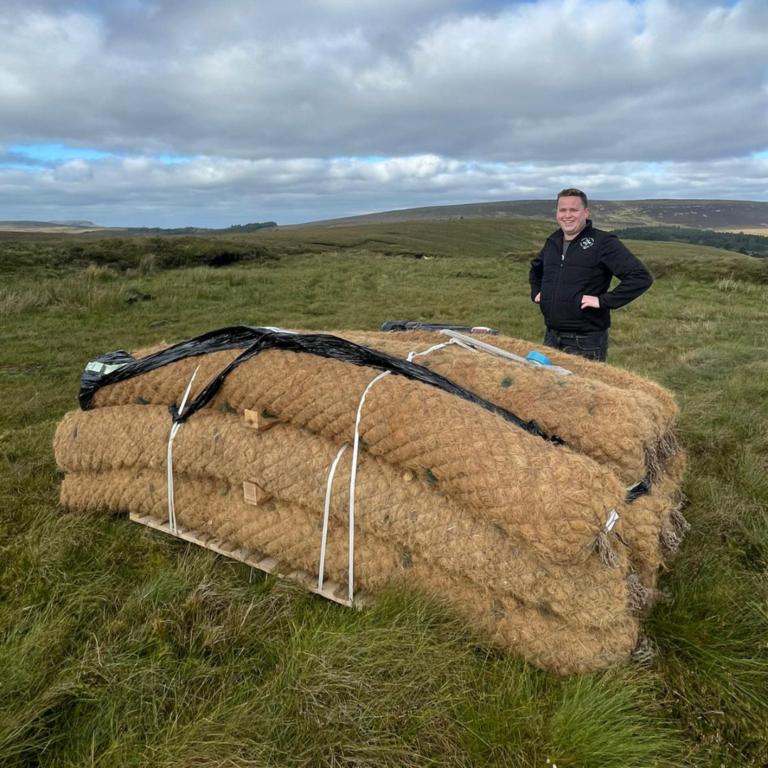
513 531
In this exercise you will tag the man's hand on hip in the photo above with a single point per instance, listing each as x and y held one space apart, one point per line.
538 297
590 301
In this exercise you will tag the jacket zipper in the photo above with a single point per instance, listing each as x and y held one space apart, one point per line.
562 261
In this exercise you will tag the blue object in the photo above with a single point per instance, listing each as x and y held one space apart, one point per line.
537 357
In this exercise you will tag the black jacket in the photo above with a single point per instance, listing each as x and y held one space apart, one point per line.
592 259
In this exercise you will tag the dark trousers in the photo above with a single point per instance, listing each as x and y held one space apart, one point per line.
592 345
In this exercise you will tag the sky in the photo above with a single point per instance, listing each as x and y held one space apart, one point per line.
179 113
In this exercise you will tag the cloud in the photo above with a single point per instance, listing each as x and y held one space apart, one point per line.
219 192
9 157
606 79
440 87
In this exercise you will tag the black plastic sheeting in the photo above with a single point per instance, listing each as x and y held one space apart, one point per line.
414 325
254 340
637 490
97 369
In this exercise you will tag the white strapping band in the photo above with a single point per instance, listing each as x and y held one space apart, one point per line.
353 475
352 479
326 513
413 354
169 458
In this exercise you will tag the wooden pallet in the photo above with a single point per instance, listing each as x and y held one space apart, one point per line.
331 590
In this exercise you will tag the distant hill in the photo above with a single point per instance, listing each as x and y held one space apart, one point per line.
726 215
84 227
235 229
720 215
60 227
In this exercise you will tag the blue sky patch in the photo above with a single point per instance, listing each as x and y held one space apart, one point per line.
57 152
30 155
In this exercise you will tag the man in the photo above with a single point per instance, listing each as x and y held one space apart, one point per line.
571 276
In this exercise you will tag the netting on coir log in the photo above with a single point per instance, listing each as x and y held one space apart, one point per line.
213 506
549 498
290 464
615 427
665 417
598 371
530 515
627 428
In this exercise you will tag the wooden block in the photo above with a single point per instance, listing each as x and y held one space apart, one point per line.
158 525
254 494
260 420
255 557
268 564
304 578
342 592
330 587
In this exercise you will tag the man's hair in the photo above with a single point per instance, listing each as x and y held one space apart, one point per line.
573 193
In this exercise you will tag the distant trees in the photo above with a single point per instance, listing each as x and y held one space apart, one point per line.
748 245
255 226
235 229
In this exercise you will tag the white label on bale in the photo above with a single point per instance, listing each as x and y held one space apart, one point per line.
104 368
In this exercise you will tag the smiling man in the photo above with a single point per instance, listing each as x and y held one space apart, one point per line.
571 276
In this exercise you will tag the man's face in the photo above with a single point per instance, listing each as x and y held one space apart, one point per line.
571 215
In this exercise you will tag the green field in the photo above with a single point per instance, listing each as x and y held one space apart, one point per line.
119 646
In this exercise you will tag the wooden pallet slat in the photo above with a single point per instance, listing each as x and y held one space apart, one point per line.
332 590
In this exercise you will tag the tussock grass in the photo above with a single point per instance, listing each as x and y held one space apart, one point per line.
140 255
91 287
738 286
119 646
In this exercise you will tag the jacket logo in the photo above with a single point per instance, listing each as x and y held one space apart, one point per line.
586 242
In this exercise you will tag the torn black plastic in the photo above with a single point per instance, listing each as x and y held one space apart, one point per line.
640 488
254 340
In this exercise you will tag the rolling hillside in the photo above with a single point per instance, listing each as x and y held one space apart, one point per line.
726 215
732 215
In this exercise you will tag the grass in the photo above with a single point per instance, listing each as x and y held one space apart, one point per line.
121 647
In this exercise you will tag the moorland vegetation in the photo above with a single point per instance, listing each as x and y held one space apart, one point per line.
119 646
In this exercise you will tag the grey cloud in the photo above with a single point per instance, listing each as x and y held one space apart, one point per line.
606 81
73 171
219 192
8 157
470 99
